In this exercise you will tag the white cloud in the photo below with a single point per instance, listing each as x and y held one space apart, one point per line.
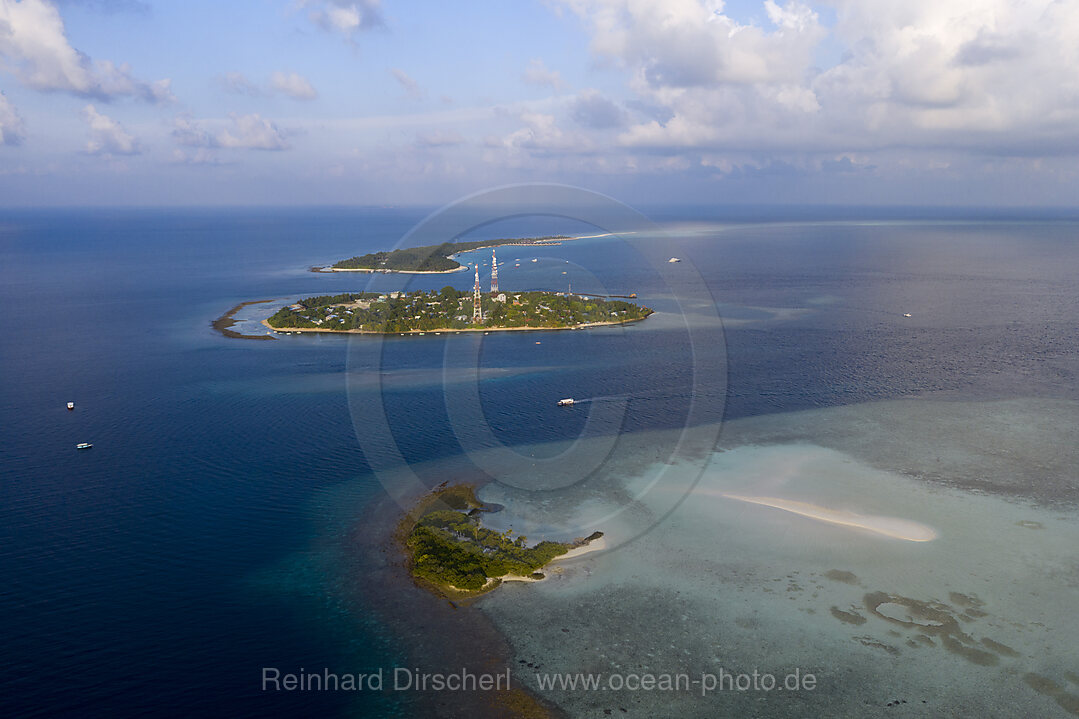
541 133
197 156
984 76
108 137
538 74
252 132
294 85
34 46
345 16
591 109
410 85
12 131
247 132
686 43
237 83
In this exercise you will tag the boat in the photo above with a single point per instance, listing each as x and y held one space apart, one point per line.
565 402
906 314
674 259
83 445
71 405
534 259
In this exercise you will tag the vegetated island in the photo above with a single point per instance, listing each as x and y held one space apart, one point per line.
451 310
429 259
452 554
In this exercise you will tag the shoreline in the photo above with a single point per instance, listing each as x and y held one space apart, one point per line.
225 321
429 627
595 545
266 323
439 498
330 269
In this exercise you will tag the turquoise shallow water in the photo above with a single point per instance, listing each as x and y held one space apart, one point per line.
212 529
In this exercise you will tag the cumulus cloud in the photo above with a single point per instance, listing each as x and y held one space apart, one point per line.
108 137
410 85
538 74
686 43
197 156
294 85
541 133
237 83
247 132
12 131
34 46
591 109
985 76
252 132
346 17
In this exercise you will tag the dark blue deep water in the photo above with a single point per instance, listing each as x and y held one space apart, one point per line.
158 571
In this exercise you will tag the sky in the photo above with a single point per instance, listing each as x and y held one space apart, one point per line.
388 102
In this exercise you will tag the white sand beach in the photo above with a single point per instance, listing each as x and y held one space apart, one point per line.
893 527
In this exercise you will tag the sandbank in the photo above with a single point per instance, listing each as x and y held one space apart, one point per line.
894 527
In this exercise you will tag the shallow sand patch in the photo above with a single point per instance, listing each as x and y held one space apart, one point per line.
893 527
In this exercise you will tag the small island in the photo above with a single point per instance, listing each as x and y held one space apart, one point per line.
450 310
452 553
430 259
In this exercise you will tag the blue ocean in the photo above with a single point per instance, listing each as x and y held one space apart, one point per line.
229 516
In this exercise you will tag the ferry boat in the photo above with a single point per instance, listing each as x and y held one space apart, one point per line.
83 445
71 405
565 402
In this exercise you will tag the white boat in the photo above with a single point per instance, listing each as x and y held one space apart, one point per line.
83 445
534 259
906 314
565 402
71 405
674 259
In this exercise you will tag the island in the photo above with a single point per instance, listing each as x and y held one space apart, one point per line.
451 553
430 259
451 310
